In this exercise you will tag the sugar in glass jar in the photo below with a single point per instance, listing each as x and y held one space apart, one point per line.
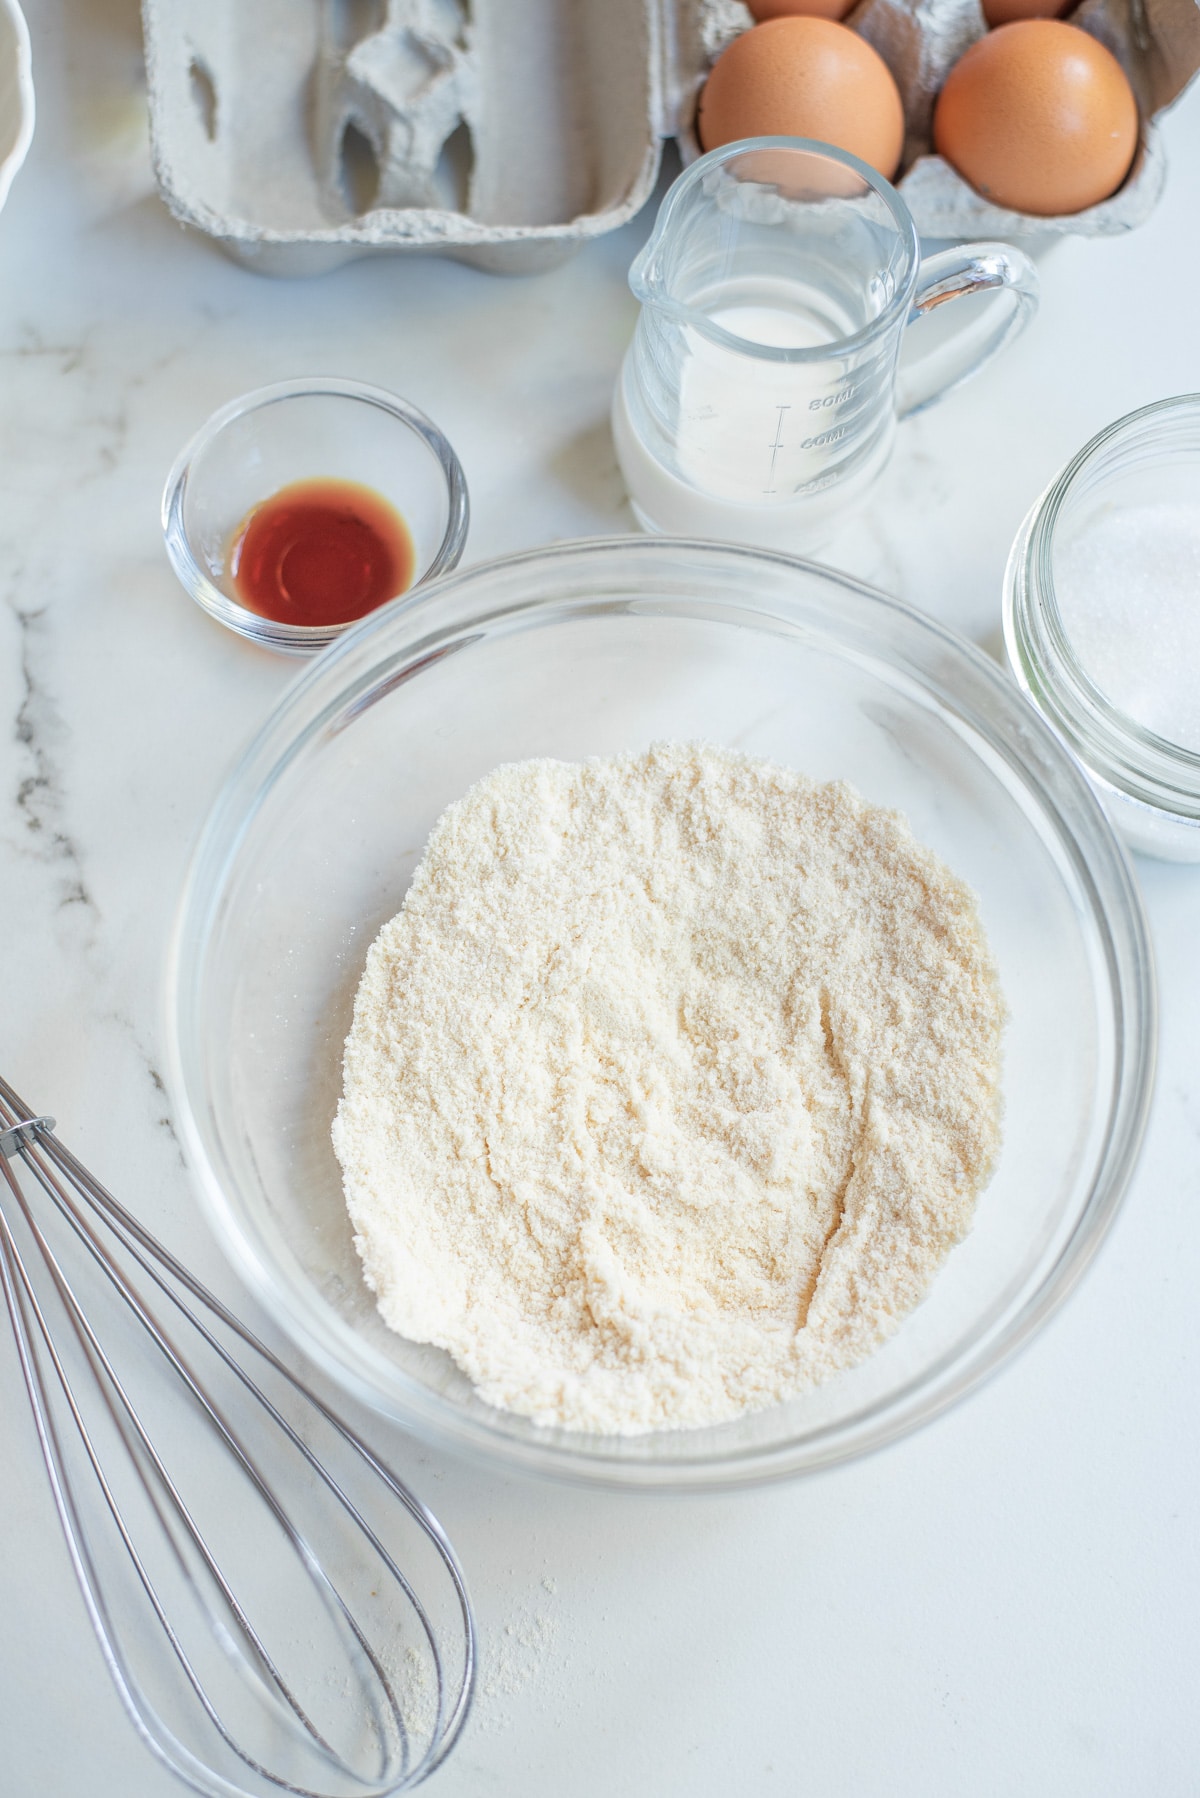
1102 620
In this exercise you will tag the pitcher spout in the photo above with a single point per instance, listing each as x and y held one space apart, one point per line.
646 280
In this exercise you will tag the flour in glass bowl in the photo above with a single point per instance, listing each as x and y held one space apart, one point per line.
669 1089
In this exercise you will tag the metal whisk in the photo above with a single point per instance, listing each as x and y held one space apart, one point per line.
270 1626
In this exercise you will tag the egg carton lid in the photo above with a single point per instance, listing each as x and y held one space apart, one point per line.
506 133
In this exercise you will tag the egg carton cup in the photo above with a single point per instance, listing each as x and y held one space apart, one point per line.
507 133
1157 43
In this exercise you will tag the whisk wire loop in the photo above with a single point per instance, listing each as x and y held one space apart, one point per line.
29 1140
128 1423
124 1225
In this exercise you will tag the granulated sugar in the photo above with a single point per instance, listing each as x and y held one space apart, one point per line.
669 1089
1128 590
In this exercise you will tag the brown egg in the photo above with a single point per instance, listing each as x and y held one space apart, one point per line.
1039 117
804 78
1003 12
805 9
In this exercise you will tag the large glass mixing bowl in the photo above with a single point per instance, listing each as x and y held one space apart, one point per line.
588 649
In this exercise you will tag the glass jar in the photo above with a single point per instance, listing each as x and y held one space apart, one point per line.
1149 785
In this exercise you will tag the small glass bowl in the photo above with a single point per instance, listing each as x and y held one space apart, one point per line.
589 649
313 429
1150 786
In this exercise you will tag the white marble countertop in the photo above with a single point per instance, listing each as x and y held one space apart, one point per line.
1005 1602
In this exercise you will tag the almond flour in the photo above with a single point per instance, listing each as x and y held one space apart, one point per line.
670 1087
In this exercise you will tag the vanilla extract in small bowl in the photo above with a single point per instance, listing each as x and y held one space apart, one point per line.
320 553
300 508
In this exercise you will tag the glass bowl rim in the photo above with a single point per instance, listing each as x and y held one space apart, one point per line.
304 638
1117 912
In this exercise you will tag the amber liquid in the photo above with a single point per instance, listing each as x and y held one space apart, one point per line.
320 552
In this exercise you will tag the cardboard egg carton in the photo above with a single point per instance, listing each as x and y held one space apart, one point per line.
506 133
300 133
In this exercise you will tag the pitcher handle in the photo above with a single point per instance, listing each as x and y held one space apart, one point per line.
948 275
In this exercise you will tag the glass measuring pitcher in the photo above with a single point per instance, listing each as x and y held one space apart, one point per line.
760 394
